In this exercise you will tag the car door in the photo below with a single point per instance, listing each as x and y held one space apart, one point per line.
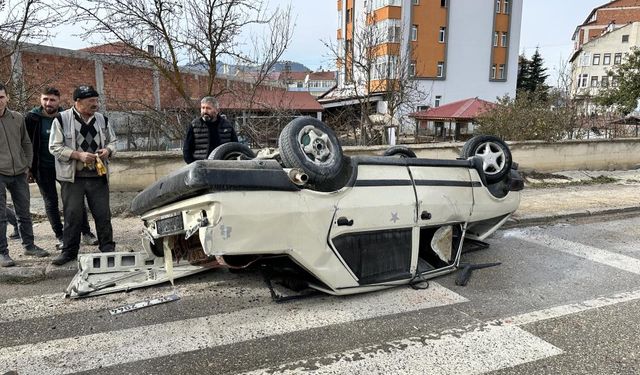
372 228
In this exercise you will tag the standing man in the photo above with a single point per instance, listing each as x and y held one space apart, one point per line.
207 132
15 159
43 169
79 136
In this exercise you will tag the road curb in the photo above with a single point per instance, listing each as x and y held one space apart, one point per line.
529 220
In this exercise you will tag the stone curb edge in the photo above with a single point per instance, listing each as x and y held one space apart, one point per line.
529 220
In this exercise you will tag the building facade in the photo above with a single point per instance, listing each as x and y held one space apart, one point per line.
452 49
593 63
600 43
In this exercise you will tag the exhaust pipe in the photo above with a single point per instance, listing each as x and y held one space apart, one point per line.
298 177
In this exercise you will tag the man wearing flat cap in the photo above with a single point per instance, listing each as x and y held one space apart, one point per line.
79 137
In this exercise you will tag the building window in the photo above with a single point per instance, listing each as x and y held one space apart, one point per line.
414 32
596 59
436 102
415 2
443 3
506 7
614 81
348 15
625 39
501 71
412 69
422 108
497 6
495 39
604 82
504 39
594 81
606 59
617 58
582 80
440 69
493 72
442 35
585 59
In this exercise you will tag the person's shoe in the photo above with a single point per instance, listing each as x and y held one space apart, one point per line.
63 258
35 251
89 239
60 243
6 261
15 235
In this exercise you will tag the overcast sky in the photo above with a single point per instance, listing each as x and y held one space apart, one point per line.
548 24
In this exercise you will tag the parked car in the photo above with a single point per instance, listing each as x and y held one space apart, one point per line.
314 217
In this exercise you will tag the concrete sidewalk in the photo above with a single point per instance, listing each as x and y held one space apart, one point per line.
546 199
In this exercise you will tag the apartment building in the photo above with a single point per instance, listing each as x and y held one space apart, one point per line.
604 18
600 43
453 49
593 62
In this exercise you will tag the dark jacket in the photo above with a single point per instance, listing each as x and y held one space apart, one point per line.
15 146
203 137
33 121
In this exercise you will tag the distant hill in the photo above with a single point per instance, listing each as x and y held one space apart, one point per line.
280 66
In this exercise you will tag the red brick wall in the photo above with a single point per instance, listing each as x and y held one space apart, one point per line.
62 72
128 86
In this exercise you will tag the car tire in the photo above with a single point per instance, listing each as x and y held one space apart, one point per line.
307 143
400 151
232 151
495 155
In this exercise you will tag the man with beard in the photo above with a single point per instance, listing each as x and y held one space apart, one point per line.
207 132
79 137
43 169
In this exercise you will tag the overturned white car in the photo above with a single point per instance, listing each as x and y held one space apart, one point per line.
314 217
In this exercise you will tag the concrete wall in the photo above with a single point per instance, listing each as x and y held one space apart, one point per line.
131 171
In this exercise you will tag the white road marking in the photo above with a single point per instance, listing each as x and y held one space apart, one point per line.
47 305
594 254
133 344
474 349
481 350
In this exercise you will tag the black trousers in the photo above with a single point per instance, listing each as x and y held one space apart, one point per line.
96 190
46 180
19 190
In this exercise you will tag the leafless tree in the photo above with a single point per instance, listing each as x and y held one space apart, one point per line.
23 21
358 57
376 64
199 33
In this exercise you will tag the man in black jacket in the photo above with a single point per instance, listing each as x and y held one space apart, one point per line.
207 132
43 169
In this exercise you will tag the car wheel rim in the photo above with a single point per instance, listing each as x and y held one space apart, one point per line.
493 158
315 144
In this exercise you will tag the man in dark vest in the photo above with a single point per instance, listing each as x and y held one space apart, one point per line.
207 132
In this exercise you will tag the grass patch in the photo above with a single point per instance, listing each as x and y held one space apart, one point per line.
600 180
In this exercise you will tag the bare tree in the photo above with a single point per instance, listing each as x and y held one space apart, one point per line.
169 34
22 21
358 57
376 64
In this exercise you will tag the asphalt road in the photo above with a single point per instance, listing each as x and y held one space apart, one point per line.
564 300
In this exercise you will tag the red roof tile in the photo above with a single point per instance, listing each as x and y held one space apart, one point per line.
467 109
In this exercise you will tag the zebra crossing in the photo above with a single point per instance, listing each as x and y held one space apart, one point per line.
474 348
